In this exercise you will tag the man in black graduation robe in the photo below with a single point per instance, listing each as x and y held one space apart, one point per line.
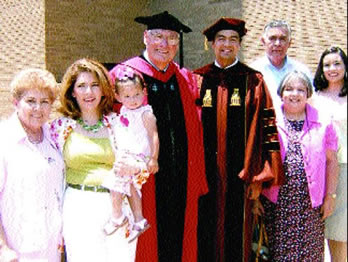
236 107
170 199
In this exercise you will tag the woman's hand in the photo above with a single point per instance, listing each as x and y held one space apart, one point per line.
8 255
254 190
257 208
152 166
331 184
328 207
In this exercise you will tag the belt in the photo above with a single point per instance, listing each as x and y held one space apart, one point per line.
90 188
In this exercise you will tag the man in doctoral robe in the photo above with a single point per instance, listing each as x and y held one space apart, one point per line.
170 198
241 145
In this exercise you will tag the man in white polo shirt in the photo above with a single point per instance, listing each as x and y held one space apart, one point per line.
276 64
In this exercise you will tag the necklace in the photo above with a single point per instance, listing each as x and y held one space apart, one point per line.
36 141
34 138
94 128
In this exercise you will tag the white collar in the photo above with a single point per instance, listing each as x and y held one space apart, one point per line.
233 64
274 67
146 56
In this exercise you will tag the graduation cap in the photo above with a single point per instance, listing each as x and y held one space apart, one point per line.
225 23
166 21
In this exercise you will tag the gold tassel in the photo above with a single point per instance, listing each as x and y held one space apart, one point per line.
206 47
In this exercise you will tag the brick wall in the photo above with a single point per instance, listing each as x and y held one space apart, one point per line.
197 14
315 24
103 30
22 42
53 33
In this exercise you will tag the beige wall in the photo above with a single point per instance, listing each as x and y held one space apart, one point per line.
197 14
53 33
103 30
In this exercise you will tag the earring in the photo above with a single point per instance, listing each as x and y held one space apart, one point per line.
346 74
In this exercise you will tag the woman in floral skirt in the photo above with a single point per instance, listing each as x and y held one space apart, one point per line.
294 213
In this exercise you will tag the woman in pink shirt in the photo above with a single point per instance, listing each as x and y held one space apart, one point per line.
31 174
294 213
331 82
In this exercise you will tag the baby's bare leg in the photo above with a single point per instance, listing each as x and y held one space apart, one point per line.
136 204
116 199
117 218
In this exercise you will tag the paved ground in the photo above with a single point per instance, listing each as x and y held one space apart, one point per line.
327 256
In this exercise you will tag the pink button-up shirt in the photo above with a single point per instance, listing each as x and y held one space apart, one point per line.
31 188
318 136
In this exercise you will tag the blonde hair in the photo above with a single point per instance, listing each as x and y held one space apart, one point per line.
34 78
69 106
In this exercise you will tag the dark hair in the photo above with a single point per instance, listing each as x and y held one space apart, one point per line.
320 82
69 106
136 80
124 75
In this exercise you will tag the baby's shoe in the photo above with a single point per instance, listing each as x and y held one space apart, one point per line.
137 229
114 224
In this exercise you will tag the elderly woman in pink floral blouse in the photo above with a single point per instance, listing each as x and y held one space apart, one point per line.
31 173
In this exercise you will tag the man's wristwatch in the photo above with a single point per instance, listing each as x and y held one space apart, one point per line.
333 195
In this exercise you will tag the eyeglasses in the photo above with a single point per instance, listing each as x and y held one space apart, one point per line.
157 38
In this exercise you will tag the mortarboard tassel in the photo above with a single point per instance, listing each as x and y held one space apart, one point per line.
181 50
206 47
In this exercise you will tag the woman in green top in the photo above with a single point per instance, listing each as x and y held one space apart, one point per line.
84 136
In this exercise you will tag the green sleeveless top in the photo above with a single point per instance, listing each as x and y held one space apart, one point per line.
88 160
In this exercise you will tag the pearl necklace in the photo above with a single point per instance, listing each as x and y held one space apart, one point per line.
93 128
